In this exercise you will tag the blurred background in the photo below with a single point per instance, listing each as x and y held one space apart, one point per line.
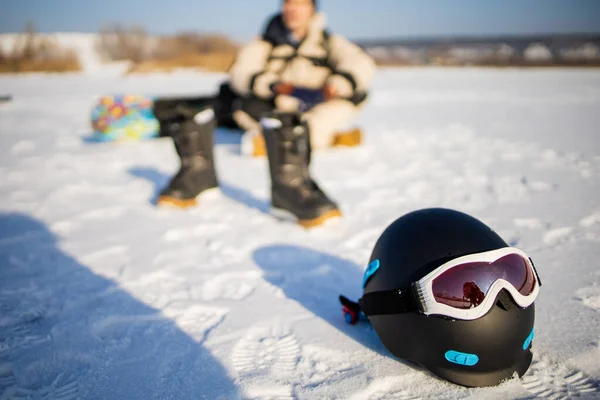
151 35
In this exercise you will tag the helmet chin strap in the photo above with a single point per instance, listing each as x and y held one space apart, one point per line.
351 310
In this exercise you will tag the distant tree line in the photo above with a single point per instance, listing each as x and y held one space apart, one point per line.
212 52
31 52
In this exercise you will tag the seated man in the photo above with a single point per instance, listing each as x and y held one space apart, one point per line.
296 65
294 88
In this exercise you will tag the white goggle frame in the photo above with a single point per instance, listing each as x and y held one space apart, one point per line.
429 306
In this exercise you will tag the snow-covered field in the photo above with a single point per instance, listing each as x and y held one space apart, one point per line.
104 296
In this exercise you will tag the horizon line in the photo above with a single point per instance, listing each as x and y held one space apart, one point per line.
363 39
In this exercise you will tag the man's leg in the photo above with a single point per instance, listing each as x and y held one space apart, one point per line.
326 119
224 103
247 113
172 111
169 109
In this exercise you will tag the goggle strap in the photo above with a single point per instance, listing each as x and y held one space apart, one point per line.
388 302
537 276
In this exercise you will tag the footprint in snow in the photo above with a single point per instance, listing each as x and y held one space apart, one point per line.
118 328
206 228
268 392
68 391
20 320
195 320
157 288
590 296
103 214
105 254
55 379
591 226
65 227
23 146
322 366
231 286
529 223
7 376
590 220
20 325
268 351
558 381
557 235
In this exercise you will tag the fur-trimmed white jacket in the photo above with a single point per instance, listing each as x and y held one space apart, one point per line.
320 59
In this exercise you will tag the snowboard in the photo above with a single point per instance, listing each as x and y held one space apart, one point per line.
127 117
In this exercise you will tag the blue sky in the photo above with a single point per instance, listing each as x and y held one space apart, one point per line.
241 19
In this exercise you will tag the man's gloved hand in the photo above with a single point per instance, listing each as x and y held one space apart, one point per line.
330 92
308 97
282 88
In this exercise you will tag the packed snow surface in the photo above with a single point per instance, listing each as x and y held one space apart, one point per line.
102 295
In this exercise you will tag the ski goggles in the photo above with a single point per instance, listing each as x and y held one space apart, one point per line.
464 288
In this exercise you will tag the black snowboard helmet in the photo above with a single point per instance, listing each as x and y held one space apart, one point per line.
479 352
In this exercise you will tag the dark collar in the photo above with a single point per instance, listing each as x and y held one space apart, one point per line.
277 34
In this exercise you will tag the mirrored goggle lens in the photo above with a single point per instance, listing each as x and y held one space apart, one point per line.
466 285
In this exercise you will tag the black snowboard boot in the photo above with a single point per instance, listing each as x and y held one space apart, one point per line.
172 111
194 144
293 192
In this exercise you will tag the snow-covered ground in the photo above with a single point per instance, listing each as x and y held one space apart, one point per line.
102 295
